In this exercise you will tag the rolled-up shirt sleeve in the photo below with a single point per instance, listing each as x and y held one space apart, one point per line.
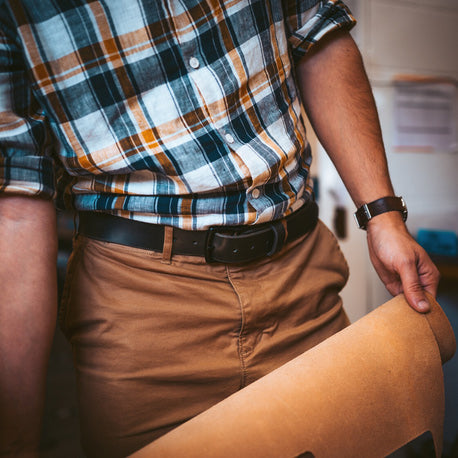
308 21
26 141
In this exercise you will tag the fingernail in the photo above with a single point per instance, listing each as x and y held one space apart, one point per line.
423 306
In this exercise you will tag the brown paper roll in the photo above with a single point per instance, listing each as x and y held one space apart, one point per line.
366 391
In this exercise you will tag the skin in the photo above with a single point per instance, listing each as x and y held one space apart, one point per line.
340 105
338 100
28 304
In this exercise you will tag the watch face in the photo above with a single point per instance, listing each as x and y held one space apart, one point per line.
362 216
359 223
404 210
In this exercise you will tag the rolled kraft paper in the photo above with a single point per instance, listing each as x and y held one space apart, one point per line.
366 391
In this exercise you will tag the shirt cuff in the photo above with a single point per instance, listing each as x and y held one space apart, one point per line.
27 175
330 15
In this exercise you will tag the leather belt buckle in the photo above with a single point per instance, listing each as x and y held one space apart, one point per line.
244 244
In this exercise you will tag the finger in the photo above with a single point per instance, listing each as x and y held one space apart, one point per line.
390 279
392 283
429 276
413 289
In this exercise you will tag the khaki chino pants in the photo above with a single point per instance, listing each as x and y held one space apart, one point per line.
156 342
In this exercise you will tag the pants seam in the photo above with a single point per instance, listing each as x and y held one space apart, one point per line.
240 339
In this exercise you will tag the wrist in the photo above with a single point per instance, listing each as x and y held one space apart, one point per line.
387 220
385 205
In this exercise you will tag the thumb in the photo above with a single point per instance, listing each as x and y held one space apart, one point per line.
413 290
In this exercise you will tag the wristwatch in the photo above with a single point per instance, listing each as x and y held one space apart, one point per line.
386 204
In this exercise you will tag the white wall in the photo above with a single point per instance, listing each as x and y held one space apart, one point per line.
416 37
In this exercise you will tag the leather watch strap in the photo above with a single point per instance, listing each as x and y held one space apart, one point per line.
386 204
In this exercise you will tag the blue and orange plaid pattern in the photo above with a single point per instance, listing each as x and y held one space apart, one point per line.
175 112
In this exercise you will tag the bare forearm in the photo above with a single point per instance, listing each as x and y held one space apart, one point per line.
28 249
339 102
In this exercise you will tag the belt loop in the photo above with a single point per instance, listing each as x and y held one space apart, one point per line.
285 228
168 245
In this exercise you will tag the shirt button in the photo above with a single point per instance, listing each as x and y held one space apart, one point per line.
255 193
229 138
194 62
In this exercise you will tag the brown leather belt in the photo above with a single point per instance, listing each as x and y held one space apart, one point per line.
225 244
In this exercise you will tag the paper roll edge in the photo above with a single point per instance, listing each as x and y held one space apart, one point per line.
442 329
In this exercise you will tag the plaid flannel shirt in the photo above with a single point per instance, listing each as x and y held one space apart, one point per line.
178 112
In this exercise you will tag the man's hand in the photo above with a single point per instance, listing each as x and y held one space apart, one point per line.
401 263
339 103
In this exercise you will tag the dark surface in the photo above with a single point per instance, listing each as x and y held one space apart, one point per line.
60 437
